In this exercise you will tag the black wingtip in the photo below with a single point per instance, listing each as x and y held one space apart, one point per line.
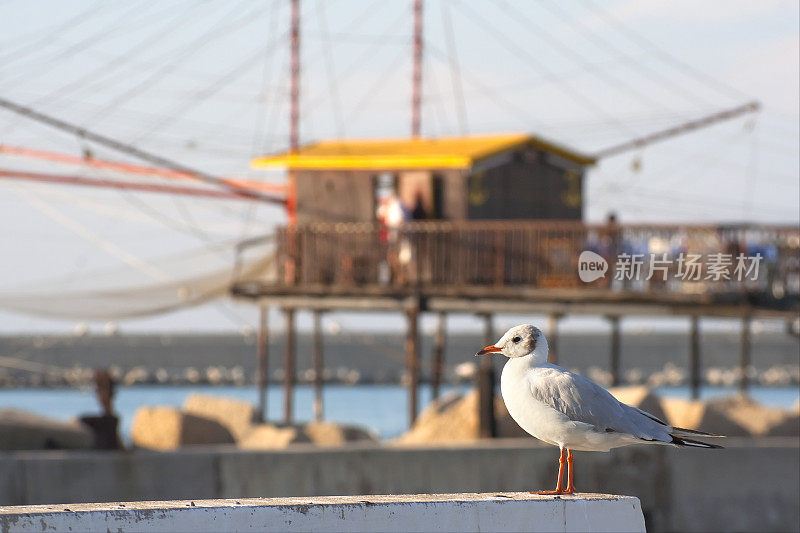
683 441
684 431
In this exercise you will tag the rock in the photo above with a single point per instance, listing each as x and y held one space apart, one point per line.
683 413
330 434
451 418
758 419
788 427
454 418
751 415
641 397
167 428
271 437
712 417
236 415
22 430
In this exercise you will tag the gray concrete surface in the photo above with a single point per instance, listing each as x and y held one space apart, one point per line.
426 512
752 485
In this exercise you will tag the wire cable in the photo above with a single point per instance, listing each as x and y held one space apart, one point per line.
521 52
688 69
612 81
38 69
518 113
192 100
330 70
266 80
455 71
107 69
52 33
216 32
588 33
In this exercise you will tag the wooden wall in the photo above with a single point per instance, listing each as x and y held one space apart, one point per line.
526 184
530 184
349 195
335 196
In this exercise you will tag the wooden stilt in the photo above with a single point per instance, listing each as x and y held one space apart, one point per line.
262 371
318 365
487 427
744 354
288 367
552 338
694 357
438 354
615 351
412 362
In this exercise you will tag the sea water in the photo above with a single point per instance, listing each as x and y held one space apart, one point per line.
381 408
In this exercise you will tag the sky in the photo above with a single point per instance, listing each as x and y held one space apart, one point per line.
206 84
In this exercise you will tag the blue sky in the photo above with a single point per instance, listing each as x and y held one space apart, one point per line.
205 83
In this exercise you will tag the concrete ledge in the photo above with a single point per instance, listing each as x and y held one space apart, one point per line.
512 511
680 489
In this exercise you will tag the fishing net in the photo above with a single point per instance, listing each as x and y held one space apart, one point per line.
165 284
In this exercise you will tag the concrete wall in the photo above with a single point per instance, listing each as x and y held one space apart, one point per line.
751 485
441 512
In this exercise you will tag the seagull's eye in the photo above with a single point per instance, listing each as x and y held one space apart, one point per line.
516 339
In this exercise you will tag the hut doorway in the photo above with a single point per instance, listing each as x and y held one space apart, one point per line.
421 191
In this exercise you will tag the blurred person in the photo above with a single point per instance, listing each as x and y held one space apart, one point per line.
392 213
419 212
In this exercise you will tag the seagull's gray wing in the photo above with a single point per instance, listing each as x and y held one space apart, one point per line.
582 400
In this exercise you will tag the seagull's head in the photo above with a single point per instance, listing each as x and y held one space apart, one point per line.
520 341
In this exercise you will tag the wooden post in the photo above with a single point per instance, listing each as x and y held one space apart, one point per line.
288 366
694 357
262 362
744 354
412 361
318 365
487 426
438 354
552 338
615 351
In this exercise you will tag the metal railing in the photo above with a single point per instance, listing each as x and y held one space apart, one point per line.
541 255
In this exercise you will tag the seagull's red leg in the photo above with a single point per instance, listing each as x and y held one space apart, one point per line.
559 490
570 484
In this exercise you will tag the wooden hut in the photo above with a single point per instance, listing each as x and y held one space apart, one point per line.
508 176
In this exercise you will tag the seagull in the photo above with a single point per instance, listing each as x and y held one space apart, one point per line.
570 411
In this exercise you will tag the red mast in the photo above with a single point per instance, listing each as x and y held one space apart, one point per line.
416 93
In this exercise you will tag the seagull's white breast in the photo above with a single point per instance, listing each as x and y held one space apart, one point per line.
535 417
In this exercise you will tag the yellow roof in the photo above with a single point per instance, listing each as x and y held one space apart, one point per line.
421 153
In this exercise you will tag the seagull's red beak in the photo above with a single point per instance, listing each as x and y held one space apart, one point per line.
488 349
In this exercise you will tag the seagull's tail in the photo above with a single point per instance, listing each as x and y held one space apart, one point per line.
683 441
